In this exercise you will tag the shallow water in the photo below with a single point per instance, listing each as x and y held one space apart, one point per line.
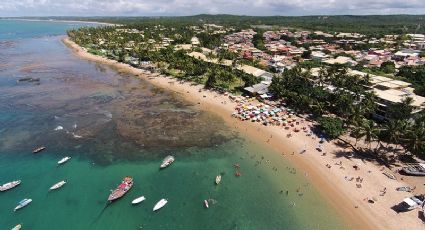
116 125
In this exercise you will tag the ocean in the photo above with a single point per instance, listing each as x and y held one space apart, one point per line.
115 125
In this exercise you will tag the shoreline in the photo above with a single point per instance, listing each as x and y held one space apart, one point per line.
331 182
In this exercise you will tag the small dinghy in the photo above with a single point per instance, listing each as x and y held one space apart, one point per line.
167 162
160 204
22 204
64 160
138 200
39 149
217 179
57 185
17 227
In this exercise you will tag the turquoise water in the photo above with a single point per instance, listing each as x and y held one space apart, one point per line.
127 126
15 29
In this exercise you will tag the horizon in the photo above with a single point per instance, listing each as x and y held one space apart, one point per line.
206 14
170 8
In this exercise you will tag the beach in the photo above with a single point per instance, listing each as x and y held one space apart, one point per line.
331 173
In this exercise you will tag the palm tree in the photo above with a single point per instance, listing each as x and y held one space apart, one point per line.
357 115
370 131
395 130
416 138
357 131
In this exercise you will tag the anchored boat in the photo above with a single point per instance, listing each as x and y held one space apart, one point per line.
138 200
217 179
22 204
167 161
63 160
17 227
160 204
122 189
57 185
39 149
10 185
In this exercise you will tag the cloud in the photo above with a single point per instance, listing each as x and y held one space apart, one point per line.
190 7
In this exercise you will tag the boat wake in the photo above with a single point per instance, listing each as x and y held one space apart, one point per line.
100 214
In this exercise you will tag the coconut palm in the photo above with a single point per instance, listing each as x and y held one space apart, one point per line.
416 138
370 131
394 131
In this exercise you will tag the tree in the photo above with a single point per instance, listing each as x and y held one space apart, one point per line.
394 131
331 126
212 79
370 131
388 67
416 139
357 130
400 111
306 54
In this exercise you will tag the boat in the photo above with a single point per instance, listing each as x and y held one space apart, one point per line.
63 160
167 161
57 185
218 179
138 200
122 189
405 189
39 149
389 175
160 204
414 169
410 203
206 204
22 204
9 185
17 227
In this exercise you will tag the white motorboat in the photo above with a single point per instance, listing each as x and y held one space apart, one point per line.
63 160
410 203
167 161
206 203
57 185
138 200
9 185
22 204
218 179
17 227
160 204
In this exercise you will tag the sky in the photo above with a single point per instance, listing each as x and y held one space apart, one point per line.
191 7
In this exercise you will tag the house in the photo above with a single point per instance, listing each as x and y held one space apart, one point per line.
390 91
256 72
319 56
258 89
195 41
341 60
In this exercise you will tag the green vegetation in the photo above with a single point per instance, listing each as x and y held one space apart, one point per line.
258 40
341 102
133 48
374 25
331 126
414 75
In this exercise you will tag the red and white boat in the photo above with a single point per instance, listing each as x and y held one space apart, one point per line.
122 189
